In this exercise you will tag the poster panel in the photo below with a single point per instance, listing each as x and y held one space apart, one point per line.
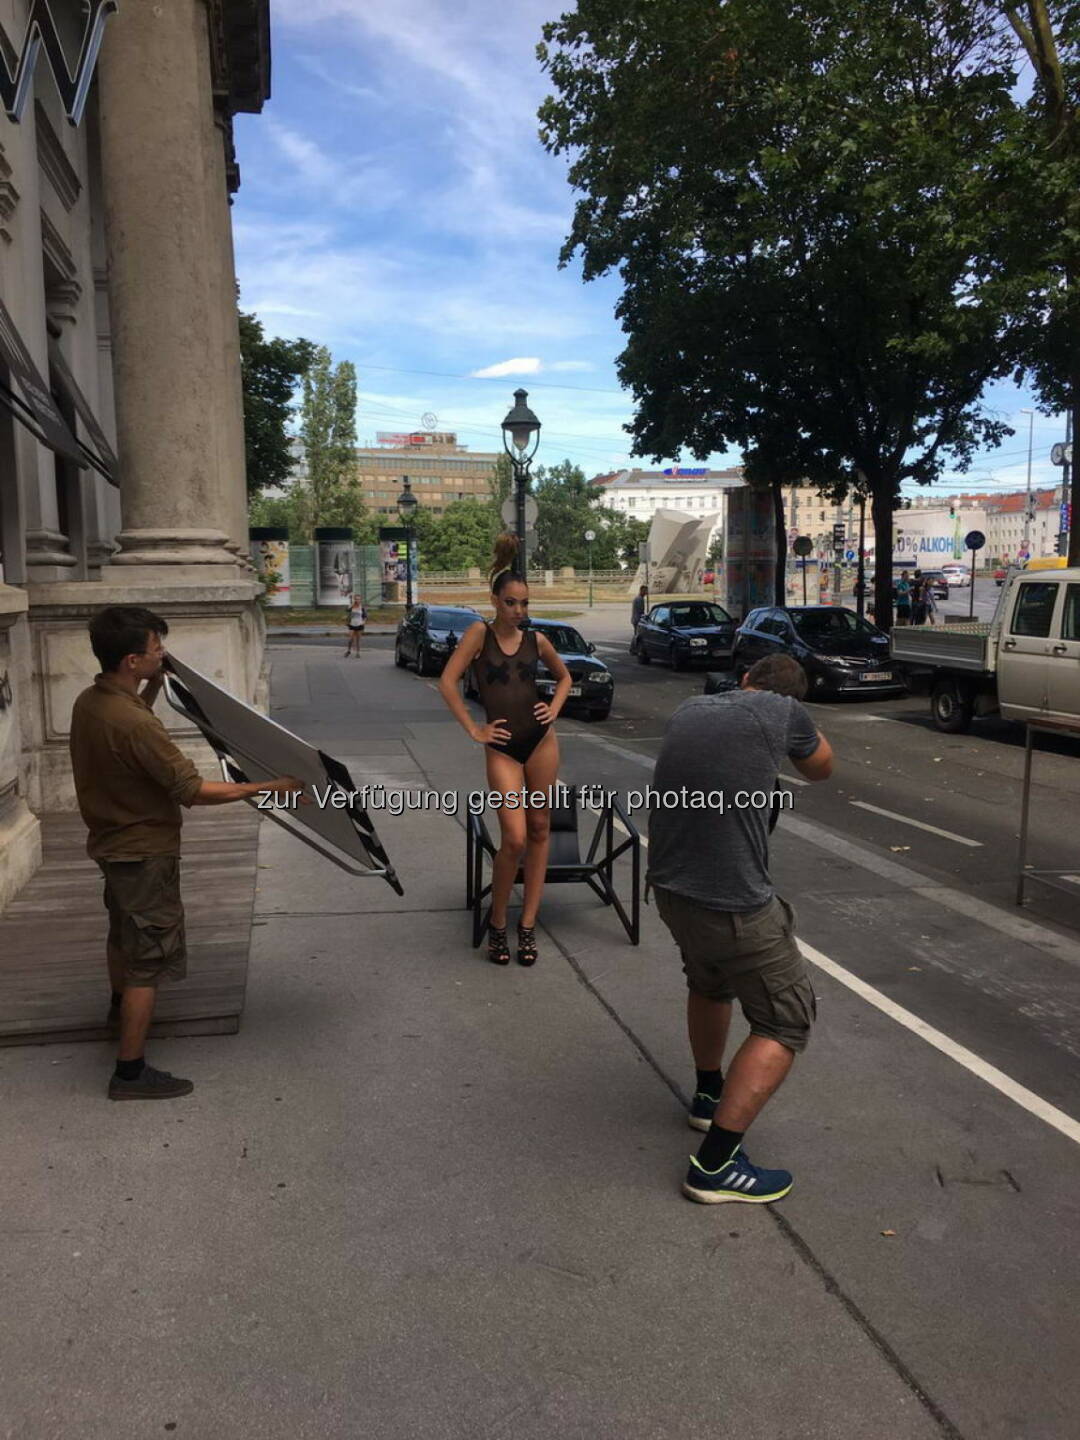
334 582
271 560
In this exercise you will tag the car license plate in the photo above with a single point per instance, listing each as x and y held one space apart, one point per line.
876 675
574 690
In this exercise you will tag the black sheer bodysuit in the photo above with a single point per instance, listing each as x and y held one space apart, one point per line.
507 686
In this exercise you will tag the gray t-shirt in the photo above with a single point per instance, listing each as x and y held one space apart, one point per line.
722 745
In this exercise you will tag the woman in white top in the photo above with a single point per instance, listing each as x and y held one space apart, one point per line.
357 618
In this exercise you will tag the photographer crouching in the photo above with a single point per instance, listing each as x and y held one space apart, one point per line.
709 869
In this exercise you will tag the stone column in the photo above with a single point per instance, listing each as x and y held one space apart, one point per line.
164 290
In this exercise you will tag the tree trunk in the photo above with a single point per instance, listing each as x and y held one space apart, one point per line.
882 495
780 584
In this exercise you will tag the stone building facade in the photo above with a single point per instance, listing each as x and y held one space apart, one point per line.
121 417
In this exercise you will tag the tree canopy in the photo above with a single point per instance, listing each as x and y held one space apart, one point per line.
807 204
270 370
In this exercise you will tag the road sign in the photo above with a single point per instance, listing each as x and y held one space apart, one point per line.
803 545
509 512
849 555
1066 516
974 540
1061 455
590 535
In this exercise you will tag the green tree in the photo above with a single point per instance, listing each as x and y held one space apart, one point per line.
293 510
328 434
1050 36
464 536
270 370
568 506
807 205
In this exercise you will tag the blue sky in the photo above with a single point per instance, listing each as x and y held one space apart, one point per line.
397 206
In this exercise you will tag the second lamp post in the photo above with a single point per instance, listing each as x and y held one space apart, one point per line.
406 505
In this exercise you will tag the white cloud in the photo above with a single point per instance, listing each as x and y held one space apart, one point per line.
524 365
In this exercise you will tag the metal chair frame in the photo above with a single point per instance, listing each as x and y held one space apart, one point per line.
596 872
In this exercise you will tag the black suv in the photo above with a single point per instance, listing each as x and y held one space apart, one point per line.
841 654
685 633
428 635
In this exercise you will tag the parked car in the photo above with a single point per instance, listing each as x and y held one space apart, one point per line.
427 635
684 633
939 583
841 654
593 685
999 576
956 573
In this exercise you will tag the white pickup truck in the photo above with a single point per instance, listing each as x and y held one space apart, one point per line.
1025 663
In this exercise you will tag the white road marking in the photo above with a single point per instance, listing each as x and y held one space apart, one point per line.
620 826
1016 927
919 824
990 1074
793 780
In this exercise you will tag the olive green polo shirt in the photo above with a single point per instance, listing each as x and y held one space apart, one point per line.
130 778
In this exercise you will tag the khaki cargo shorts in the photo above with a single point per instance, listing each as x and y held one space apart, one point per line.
750 956
146 918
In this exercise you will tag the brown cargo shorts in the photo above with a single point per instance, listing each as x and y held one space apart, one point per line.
146 918
750 956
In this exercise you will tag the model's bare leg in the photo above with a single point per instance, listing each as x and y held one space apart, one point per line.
506 776
541 773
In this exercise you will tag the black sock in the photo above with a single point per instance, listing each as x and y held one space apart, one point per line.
710 1082
130 1069
718 1147
117 997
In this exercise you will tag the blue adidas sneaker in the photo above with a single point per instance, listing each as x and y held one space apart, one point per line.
736 1179
702 1109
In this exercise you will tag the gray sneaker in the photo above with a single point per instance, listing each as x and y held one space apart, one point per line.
151 1085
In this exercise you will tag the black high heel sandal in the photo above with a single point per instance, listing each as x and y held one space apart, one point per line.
527 952
498 949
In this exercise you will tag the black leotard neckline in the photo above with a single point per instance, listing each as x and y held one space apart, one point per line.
494 635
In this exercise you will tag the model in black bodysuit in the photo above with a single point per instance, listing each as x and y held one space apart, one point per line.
521 748
507 686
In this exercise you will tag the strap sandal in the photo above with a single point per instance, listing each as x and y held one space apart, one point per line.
526 951
498 949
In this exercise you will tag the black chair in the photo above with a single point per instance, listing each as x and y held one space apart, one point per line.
565 863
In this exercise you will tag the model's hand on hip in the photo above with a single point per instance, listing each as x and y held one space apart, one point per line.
494 733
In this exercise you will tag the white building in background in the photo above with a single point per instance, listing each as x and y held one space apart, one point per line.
694 491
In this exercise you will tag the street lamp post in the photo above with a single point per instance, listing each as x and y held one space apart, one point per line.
521 436
1027 501
406 504
590 536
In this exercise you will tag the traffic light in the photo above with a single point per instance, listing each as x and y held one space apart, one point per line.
1063 543
952 510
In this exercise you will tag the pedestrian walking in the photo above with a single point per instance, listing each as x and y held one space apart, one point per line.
931 603
903 599
709 868
919 587
130 782
355 619
520 744
637 611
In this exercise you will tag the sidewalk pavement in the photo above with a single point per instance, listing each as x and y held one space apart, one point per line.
419 1196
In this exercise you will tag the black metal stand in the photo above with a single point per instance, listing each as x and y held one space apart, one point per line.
1054 878
565 863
